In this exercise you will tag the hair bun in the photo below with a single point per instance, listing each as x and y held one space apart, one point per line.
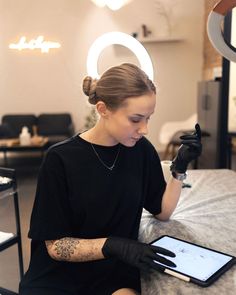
89 89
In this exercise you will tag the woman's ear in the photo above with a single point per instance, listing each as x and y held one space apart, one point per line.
102 109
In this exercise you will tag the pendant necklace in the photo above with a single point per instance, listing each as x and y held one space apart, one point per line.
104 164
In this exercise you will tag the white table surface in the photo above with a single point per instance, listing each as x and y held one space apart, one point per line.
206 215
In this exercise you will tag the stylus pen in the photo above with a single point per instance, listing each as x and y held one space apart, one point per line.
177 275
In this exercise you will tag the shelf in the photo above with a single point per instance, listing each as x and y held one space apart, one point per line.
160 39
7 193
5 186
8 187
9 242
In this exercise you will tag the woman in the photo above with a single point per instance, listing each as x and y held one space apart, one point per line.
91 192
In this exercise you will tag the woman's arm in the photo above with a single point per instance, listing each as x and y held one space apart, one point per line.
129 251
75 250
189 150
170 199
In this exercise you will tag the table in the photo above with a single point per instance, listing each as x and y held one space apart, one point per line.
39 144
206 215
231 140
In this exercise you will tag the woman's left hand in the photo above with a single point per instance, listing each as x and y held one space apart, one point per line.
189 150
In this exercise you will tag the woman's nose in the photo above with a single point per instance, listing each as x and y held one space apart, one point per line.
143 129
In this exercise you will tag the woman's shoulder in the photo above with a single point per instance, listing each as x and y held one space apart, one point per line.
60 147
66 149
148 150
146 144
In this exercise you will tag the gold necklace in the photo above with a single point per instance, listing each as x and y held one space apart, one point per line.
104 164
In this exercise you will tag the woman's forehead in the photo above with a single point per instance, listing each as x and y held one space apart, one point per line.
140 105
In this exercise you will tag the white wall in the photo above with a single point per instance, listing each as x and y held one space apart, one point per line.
32 82
232 79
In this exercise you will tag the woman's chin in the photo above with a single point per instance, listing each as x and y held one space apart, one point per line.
130 143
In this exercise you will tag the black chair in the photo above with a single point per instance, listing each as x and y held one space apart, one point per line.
15 123
6 131
57 127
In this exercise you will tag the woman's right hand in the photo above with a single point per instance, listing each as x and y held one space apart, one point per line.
137 254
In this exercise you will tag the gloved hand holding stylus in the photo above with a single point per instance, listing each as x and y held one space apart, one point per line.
137 254
189 150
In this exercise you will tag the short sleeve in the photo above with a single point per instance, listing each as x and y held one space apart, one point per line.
51 212
156 184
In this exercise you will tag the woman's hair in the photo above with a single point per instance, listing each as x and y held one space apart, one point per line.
117 84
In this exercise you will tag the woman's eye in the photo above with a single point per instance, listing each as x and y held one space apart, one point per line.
134 120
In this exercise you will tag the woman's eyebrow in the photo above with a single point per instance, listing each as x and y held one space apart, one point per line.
140 115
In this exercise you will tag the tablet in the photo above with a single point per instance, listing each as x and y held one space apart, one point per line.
194 263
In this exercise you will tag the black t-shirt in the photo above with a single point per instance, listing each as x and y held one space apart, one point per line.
77 196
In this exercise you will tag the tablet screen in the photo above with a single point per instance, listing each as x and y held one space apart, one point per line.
193 260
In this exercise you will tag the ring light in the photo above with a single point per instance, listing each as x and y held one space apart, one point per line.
122 39
214 31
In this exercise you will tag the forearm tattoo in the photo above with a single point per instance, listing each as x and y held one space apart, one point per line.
65 247
74 249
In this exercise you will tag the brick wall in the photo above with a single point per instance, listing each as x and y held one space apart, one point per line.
211 58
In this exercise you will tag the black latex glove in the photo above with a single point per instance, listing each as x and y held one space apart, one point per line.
135 253
190 149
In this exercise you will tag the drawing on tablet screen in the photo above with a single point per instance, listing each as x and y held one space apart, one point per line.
192 260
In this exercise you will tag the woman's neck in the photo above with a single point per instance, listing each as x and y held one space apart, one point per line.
98 135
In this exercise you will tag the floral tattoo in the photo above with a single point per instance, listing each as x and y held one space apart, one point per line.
65 247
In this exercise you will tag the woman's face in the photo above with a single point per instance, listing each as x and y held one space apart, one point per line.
128 123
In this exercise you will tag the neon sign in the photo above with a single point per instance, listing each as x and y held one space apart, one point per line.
38 43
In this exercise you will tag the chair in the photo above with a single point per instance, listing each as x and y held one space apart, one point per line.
170 133
56 127
5 131
170 128
174 144
14 123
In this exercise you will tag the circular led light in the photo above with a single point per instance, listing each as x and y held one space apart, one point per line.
122 39
115 5
214 31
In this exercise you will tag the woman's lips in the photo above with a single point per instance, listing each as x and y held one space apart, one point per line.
136 138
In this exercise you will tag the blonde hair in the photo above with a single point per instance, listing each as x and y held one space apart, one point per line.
117 84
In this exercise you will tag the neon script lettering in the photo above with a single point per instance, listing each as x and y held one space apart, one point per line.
38 43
